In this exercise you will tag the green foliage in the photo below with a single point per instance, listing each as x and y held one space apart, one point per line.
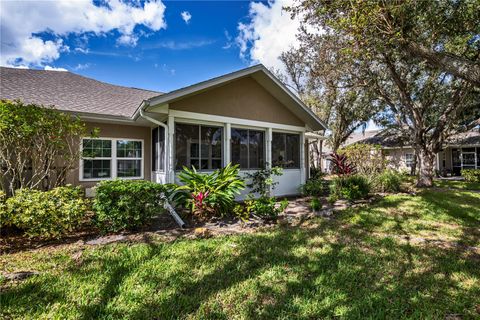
315 187
352 187
213 193
388 181
471 175
262 180
315 204
4 217
126 204
366 158
46 214
38 136
266 207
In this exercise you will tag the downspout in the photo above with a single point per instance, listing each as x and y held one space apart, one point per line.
166 204
163 125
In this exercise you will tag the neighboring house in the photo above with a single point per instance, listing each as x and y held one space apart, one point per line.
327 150
461 151
246 117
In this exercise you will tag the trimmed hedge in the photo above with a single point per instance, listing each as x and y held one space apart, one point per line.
126 204
471 175
45 214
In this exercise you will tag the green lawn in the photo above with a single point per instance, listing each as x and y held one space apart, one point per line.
367 263
459 184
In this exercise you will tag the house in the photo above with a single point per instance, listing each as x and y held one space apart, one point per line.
247 117
461 151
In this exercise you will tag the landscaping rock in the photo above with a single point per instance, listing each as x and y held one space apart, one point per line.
202 233
22 275
106 240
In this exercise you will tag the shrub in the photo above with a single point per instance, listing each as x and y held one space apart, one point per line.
266 207
4 217
209 194
315 204
471 175
353 187
315 187
126 204
341 165
46 214
262 180
388 181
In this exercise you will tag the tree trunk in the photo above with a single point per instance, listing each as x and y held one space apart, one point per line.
426 164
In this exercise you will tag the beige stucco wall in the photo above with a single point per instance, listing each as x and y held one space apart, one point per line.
396 158
243 98
119 131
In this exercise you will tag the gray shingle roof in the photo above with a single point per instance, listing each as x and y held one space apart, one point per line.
70 92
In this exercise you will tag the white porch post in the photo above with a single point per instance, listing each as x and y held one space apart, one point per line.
226 144
302 157
268 148
170 165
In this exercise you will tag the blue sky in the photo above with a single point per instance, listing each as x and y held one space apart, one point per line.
182 54
162 58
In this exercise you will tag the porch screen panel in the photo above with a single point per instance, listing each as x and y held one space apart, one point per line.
247 148
478 157
198 146
286 150
158 149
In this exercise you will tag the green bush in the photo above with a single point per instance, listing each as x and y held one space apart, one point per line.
471 175
315 187
210 194
350 187
266 207
46 214
4 217
315 204
126 204
388 181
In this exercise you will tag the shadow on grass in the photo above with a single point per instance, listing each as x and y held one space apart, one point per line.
320 271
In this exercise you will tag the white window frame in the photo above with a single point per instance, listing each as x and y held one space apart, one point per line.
113 159
234 127
300 167
406 160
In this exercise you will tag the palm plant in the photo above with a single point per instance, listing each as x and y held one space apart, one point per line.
212 193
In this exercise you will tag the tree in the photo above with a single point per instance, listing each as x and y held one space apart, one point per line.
328 84
418 99
38 146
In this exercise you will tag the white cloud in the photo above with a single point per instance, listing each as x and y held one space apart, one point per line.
186 16
21 21
49 68
269 32
82 66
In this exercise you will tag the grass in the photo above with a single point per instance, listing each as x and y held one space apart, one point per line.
458 184
364 264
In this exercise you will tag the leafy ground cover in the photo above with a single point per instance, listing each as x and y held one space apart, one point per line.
401 257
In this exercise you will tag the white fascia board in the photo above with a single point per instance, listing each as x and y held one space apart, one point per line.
194 117
199 87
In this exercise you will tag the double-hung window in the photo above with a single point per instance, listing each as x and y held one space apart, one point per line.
286 150
111 158
409 158
198 146
247 148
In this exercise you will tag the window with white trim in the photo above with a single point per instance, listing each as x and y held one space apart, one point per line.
111 158
409 159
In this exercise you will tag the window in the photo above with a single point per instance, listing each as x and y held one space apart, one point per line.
97 159
129 159
198 146
286 150
409 158
247 148
111 158
158 149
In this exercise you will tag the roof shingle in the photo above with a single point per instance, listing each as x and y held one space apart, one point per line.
70 92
